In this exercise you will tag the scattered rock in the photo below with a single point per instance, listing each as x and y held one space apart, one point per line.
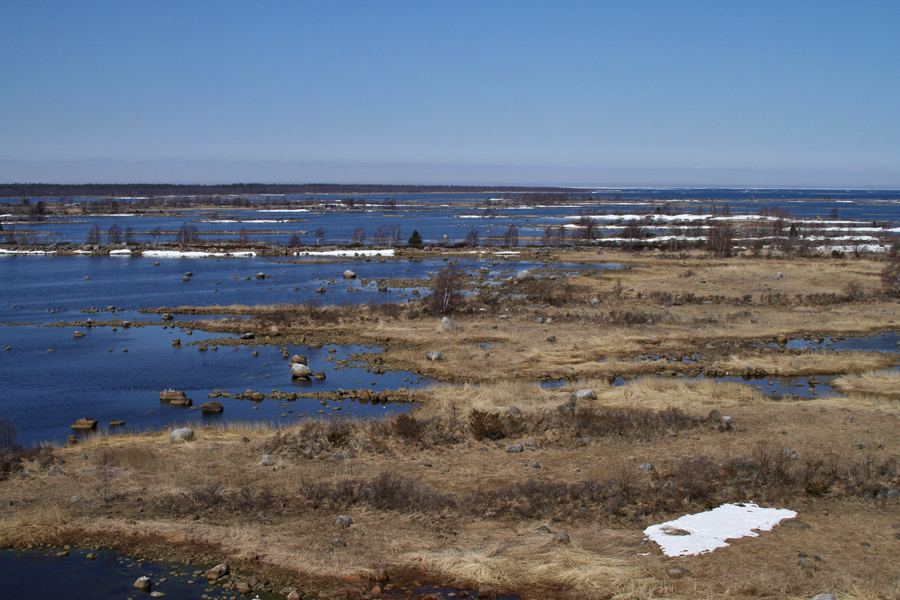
142 583
343 521
300 371
433 355
116 422
514 411
516 448
220 570
267 460
212 407
170 395
448 325
824 597
348 274
676 572
647 467
524 274
586 394
338 542
184 434
562 538
595 301
85 424
54 470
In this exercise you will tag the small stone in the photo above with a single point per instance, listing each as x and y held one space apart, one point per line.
676 572
343 521
562 538
433 355
142 583
586 394
647 467
824 597
516 448
267 460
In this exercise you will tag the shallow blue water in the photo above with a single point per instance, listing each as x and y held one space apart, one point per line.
44 392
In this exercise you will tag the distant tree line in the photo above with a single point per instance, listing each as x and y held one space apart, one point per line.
51 190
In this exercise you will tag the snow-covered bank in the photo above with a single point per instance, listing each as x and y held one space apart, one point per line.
706 531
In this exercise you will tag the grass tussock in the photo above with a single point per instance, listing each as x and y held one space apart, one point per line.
659 393
810 363
537 561
38 525
878 386
502 395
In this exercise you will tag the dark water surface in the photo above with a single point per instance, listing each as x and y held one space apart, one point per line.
41 574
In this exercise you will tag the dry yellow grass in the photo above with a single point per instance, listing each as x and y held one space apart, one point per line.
659 393
536 561
810 363
878 386
39 524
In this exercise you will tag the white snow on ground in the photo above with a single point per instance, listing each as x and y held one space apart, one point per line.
119 252
389 252
247 221
704 532
11 252
178 254
507 253
283 210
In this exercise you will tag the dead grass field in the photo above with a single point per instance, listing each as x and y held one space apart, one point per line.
435 497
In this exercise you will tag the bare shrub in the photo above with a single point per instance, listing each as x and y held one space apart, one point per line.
446 290
407 427
8 433
890 278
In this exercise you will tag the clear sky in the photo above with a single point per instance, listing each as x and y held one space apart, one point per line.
628 93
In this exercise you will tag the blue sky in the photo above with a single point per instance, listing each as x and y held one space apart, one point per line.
636 93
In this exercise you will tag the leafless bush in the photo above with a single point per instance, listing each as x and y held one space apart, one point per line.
890 278
8 433
446 290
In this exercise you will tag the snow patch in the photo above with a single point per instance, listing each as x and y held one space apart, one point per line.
704 532
179 254
351 253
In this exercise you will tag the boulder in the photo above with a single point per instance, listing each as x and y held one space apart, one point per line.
267 460
299 370
77 334
432 355
348 274
220 570
142 583
169 395
586 394
184 434
343 521
516 448
647 467
524 274
448 325
298 360
212 407
84 424
260 275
